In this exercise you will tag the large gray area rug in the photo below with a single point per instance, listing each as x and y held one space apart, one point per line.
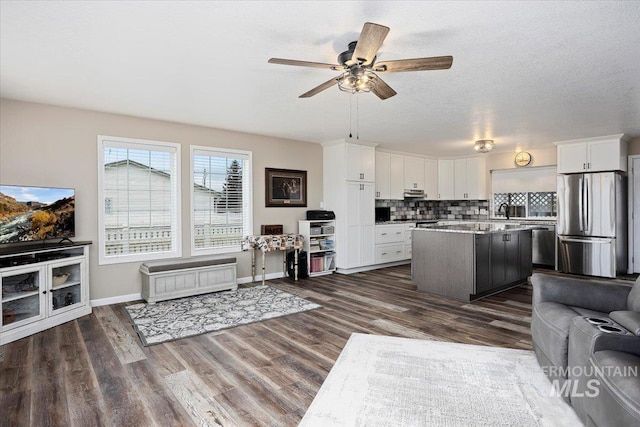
390 381
186 317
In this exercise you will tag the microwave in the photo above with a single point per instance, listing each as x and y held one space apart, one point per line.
383 214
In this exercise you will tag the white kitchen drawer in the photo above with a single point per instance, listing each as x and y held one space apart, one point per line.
389 253
407 233
389 233
407 251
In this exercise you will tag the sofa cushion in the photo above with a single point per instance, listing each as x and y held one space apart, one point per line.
633 300
184 263
618 398
550 323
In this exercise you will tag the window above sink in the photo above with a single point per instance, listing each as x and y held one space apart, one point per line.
526 205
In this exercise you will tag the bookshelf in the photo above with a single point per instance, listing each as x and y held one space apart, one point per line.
319 243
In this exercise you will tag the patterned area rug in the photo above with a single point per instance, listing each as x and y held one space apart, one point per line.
186 317
389 381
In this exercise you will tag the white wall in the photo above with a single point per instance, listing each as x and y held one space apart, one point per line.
43 145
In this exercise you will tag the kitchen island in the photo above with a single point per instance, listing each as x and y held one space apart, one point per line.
466 261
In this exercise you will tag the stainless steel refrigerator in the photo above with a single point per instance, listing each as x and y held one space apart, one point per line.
592 224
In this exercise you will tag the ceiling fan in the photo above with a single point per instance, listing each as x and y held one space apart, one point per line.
359 67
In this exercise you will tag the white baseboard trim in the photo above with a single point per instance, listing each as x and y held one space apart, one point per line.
268 276
115 300
371 267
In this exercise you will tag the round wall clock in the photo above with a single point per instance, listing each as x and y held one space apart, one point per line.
523 159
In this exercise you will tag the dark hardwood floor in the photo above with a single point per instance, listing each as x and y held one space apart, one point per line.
94 371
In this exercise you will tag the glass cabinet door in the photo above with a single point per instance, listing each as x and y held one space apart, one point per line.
66 285
21 302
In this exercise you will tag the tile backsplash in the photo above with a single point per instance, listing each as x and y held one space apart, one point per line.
436 209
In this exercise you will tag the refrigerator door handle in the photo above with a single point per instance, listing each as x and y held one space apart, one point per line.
588 207
594 240
580 204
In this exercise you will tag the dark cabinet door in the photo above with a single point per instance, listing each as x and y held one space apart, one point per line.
512 257
483 264
525 244
498 266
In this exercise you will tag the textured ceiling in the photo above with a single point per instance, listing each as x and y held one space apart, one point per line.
524 73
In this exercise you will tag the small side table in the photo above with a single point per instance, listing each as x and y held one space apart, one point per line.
272 242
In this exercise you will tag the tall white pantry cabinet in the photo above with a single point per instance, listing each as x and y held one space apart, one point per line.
349 191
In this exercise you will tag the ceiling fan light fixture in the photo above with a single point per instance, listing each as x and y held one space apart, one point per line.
483 145
357 80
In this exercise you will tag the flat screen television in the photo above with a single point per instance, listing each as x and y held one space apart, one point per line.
30 214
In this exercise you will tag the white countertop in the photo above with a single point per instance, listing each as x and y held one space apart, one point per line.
475 227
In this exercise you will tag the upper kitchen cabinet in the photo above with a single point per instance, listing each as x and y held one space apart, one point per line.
462 179
396 177
413 173
470 178
383 180
606 153
360 162
389 176
446 174
430 179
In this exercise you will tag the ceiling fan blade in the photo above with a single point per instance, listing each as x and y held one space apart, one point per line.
371 38
418 64
383 90
318 89
305 63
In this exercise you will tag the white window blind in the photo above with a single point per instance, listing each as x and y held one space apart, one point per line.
220 199
523 180
139 197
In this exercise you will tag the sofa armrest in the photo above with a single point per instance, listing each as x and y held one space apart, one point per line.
623 343
590 294
630 320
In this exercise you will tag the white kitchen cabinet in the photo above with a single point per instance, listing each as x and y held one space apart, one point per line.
383 178
353 202
361 160
430 179
389 176
446 170
413 173
470 178
360 225
389 233
572 157
476 178
460 179
607 153
407 239
391 243
396 176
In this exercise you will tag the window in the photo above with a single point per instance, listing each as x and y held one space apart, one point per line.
139 200
220 199
530 192
534 204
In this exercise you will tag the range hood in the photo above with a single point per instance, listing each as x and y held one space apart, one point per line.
413 194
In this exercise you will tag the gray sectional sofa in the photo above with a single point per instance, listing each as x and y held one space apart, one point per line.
586 336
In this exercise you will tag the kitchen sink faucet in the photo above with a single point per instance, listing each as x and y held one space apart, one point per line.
506 209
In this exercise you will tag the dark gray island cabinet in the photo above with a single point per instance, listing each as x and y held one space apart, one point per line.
469 261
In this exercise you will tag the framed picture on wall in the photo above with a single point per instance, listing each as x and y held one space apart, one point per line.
285 188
